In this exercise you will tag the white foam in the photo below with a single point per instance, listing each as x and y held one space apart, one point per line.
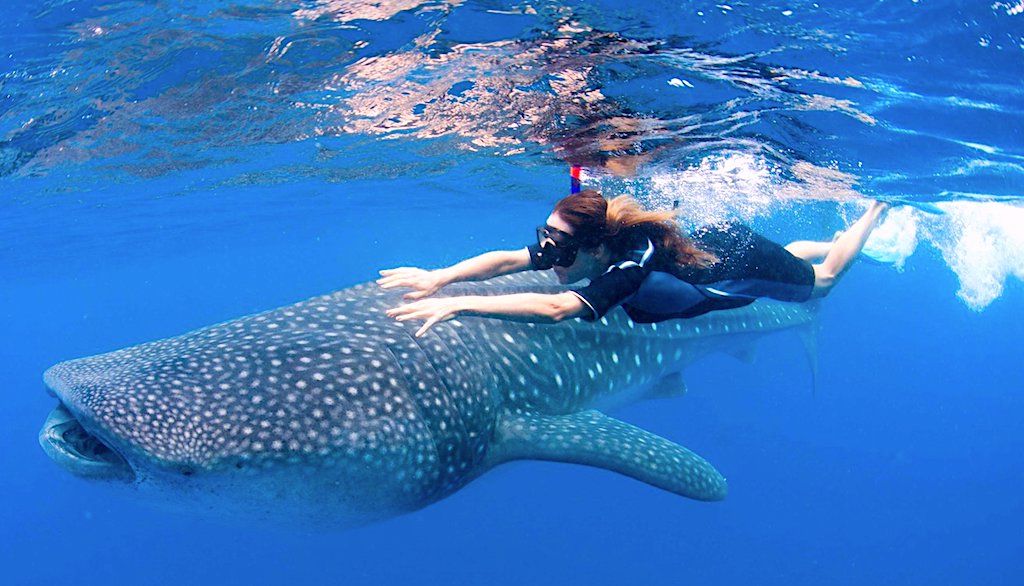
721 187
895 239
983 242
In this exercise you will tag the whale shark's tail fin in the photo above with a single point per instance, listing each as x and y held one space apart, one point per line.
594 439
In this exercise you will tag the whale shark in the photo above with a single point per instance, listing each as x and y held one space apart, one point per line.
328 412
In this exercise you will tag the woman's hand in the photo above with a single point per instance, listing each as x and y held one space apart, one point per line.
431 310
424 282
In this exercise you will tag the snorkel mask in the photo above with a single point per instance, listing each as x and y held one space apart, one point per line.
557 247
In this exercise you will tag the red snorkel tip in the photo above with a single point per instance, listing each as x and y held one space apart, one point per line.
574 178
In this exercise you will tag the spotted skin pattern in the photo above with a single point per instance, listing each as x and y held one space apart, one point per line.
327 411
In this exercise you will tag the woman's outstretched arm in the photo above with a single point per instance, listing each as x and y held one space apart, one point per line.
479 268
530 307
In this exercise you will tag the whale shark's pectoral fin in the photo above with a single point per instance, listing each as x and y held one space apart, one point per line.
594 439
669 386
745 354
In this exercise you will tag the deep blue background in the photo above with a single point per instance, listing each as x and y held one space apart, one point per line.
129 213
901 467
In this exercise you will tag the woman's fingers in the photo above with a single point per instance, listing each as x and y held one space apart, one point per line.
392 282
397 270
409 277
410 311
427 310
441 315
390 275
398 283
395 278
400 311
414 295
423 329
403 272
420 314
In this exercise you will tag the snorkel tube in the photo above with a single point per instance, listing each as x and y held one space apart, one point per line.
574 179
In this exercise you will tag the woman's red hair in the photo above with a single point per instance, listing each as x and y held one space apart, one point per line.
615 223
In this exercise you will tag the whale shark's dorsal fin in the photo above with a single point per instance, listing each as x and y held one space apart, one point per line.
594 439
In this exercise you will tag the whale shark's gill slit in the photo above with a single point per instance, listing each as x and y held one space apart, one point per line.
443 381
413 403
462 351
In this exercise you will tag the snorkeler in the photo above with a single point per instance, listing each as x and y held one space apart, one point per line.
637 259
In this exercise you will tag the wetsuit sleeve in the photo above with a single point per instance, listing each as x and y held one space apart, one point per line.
609 290
538 262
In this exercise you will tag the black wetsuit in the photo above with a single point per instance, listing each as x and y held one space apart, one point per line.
750 266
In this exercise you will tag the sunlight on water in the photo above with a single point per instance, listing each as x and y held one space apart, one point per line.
723 111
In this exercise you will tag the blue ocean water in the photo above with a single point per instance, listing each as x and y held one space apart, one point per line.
170 165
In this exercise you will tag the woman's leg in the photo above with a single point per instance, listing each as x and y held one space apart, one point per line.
809 250
812 250
844 249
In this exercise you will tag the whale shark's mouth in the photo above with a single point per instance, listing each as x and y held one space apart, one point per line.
68 443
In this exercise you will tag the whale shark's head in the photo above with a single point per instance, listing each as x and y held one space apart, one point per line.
312 402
